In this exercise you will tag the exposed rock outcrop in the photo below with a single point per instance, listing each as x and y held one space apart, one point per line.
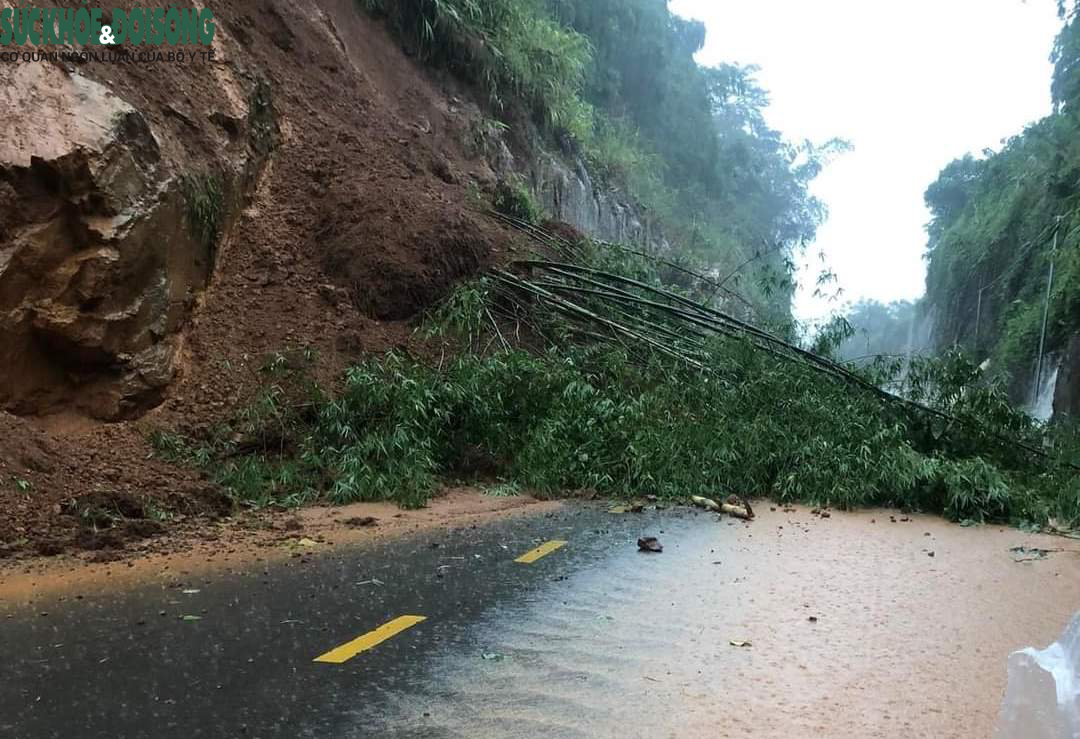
571 195
568 193
102 256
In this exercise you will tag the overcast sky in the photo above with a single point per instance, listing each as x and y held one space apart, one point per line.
911 84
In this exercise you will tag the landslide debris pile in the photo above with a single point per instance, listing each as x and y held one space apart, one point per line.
165 227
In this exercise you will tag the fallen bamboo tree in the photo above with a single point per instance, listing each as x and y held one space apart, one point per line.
678 326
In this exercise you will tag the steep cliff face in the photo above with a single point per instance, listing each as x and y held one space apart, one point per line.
571 195
567 192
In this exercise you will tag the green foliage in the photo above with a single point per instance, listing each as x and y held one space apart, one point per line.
513 198
597 417
205 202
372 443
502 489
153 512
170 446
617 152
974 489
1066 509
464 316
514 48
1066 58
831 336
255 456
992 242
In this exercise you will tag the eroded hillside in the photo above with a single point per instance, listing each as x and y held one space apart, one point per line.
166 226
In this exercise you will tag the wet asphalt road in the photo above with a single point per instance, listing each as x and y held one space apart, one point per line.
131 665
854 626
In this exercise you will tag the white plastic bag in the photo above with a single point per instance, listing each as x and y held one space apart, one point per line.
1042 700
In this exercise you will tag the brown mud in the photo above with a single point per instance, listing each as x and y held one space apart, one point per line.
247 542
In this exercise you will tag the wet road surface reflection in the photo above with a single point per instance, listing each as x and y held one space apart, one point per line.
789 626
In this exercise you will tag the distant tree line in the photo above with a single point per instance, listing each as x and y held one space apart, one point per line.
892 330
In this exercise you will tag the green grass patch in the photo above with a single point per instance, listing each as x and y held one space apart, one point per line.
204 200
513 198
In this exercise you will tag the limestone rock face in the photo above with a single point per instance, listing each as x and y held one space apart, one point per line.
97 266
571 195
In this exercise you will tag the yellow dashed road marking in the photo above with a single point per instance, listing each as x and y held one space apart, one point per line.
541 551
373 638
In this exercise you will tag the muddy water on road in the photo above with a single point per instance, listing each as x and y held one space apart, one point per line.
904 643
